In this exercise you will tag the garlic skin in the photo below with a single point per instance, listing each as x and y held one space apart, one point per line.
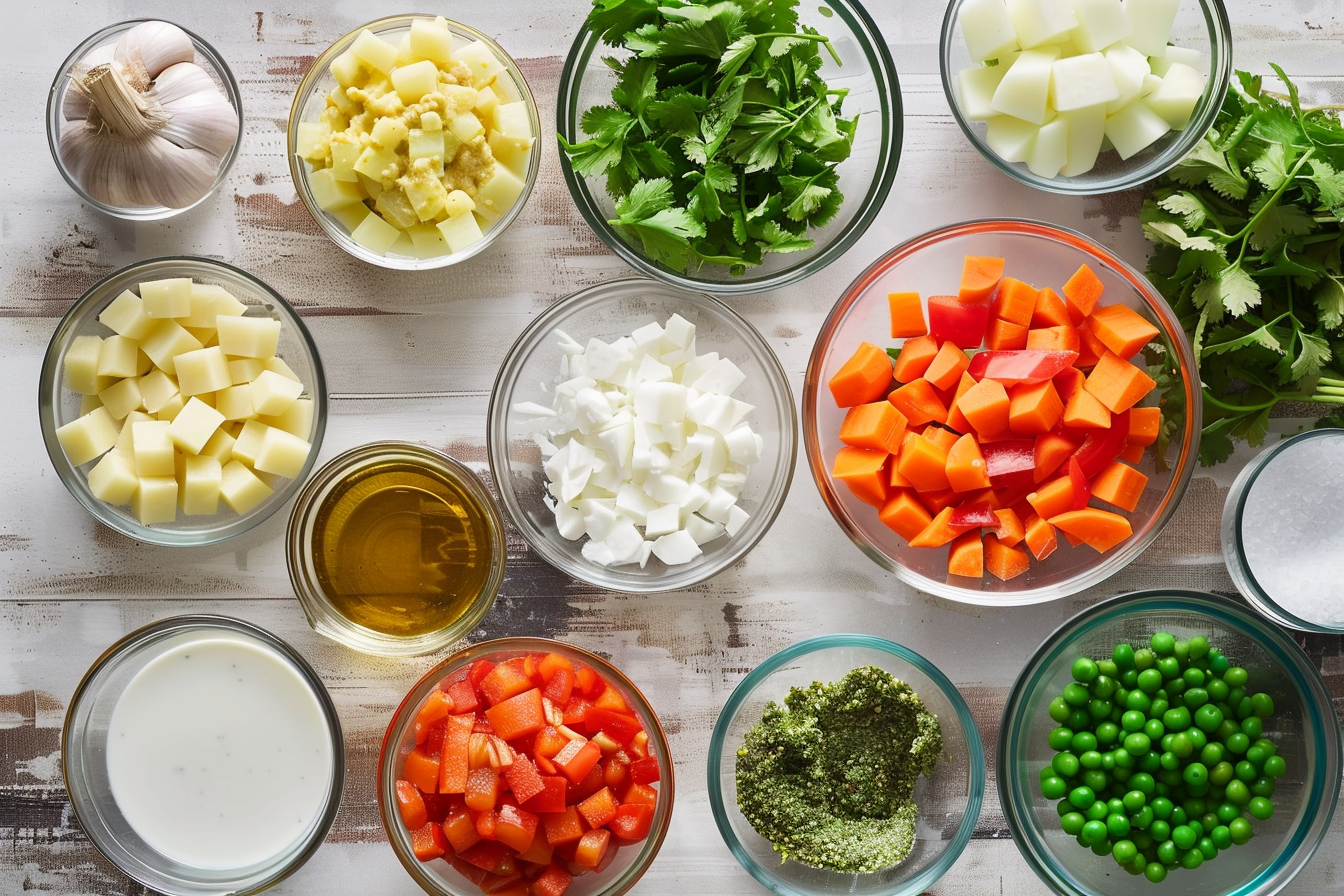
147 125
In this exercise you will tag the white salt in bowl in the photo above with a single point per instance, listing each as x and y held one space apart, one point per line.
1281 535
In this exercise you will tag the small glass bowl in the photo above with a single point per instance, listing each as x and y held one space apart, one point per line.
437 877
948 800
99 46
310 99
447 486
1200 24
58 405
607 311
868 73
1278 478
84 760
1043 255
1303 727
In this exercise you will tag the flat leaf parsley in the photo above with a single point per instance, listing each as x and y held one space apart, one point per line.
721 141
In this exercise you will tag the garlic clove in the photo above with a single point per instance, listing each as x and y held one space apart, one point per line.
134 173
180 175
150 47
204 122
75 105
182 79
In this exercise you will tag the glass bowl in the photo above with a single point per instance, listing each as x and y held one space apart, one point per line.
1044 255
869 76
1200 25
58 405
948 800
621 867
1303 728
607 311
1268 558
311 98
181 851
98 48
415 521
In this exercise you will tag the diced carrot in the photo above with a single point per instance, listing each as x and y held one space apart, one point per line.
907 314
1085 411
1004 335
919 403
565 826
1050 310
914 358
1132 454
454 758
518 716
1014 302
428 842
554 881
505 680
592 847
1090 348
966 557
865 377
1064 339
980 275
411 805
986 406
956 420
1067 382
947 367
1098 529
516 827
878 425
1119 485
904 514
1050 451
611 699
1052 499
1117 383
924 464
1144 425
1040 537
1004 561
1034 407
938 532
940 500
861 470
941 436
1082 291
965 466
1010 531
894 478
1121 329
421 768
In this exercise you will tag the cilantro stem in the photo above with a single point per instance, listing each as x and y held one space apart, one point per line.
1270 203
817 38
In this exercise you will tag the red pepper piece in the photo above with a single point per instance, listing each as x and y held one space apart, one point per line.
551 798
644 771
1081 492
978 514
428 842
961 323
523 780
1101 446
632 821
620 726
1020 366
1010 463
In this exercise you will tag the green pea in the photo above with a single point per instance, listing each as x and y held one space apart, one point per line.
1123 758
1165 743
1234 696
1167 852
1226 812
1198 738
1154 729
1162 807
1263 705
1142 839
1195 774
1065 765
1115 804
1198 790
1117 825
1159 830
1252 727
1241 831
1193 677
1138 701
1182 745
1208 821
1059 739
1221 773
1097 811
1129 678
1260 807
1124 851
1237 792
1108 761
1194 808
1208 718
1183 836
1236 677
1181 650
1082 741
1072 823
1107 733
1090 759
1099 709
1075 694
1199 647
1171 690
1159 705
1218 663
1058 710
1142 782
1144 818
1207 848
1063 807
1085 669
1162 643
1266 745
1123 656
1169 778
1093 832
1275 767
1144 659
1221 836
1155 872
1137 743
1150 680
1169 666
1246 771
1054 787
1170 761
1108 667
1082 796
1132 721
1176 719
1226 728
1078 719
1101 849
1095 778
1178 815
1192 858
1263 786
1217 689
1164 789
1134 800
1195 697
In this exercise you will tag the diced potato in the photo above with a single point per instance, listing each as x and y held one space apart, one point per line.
240 488
119 356
204 370
155 500
498 194
512 120
1011 138
80 365
427 241
200 486
512 152
1081 81
1184 55
249 337
987 28
378 164
277 364
396 209
1087 129
372 186
506 90
1128 69
1040 22
1024 91
125 443
1134 128
414 81
431 121
1050 151
282 453
431 39
975 90
351 216
219 446
427 145
374 52
482 62
348 70
466 127
460 232
194 425
458 203
343 159
245 370
331 194
208 302
156 390
1152 21
170 297
122 397
273 393
426 192
375 234
487 106
298 417
86 437
339 100
389 133
152 448
1174 99
165 341
311 138
460 98
247 442
113 478
1100 24
172 407
88 403
125 315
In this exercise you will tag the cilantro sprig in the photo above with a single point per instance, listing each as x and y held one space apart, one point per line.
721 140
1249 254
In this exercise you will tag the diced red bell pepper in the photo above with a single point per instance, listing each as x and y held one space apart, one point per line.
505 885
620 726
437 706
539 851
460 829
485 824
640 793
478 671
645 771
554 881
589 683
1009 463
437 805
522 777
562 827
547 743
482 791
472 873
592 847
578 791
560 687
616 771
576 759
1082 493
632 821
551 798
411 806
515 827
611 699
519 715
599 808
978 514
506 680
464 696
552 663
421 768
961 323
490 855
1020 366
428 842
576 711
454 761
1101 446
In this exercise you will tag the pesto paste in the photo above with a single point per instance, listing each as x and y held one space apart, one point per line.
829 778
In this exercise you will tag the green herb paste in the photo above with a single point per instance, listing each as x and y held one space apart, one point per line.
829 778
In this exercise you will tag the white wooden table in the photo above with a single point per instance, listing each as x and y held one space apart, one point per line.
413 356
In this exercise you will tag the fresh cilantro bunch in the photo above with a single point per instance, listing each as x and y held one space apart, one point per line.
721 140
1249 255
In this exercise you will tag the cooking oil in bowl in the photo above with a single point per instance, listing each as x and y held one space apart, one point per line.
395 549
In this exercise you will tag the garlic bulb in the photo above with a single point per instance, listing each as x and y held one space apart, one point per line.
148 126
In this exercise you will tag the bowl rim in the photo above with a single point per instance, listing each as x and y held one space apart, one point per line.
1234 547
1283 649
317 608
49 384
888 88
55 122
518 645
1201 119
753 679
497 443
1107 564
163 628
298 170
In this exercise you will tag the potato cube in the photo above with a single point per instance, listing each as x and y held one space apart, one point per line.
156 390
278 365
460 232
426 192
152 448
272 393
1152 21
1134 128
88 403
343 158
396 209
245 370
86 437
113 478
125 315
170 297
311 138
458 99
122 397
235 402
194 425
204 370
347 69
514 152
247 443
431 121
431 39
282 453
249 337
240 488
1087 128
1174 99
80 365
1024 90
975 90
125 438
351 216
374 52
465 127
172 407
200 485
209 301
331 194
414 81
155 500
219 446
426 241
482 62
339 100
118 357
375 234
296 419
487 107
427 145
1081 81
499 194
389 133
512 120
165 341
987 29
378 163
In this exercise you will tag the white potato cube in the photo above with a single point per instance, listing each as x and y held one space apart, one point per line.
156 390
235 402
282 453
431 39
273 393
427 241
1184 55
374 52
414 81
208 302
1050 151
1086 131
1174 99
461 231
1134 128
987 28
1081 81
125 315
331 193
1100 24
165 341
155 500
119 357
204 370
975 90
122 397
171 408
347 69
86 437
1152 21
376 235
676 548
170 297
512 120
482 62
245 370
201 480
464 128
1040 22
240 488
513 152
152 448
247 443
296 419
88 403
80 365
1128 69
1024 91
113 478
499 194
219 446
343 159
249 337
194 425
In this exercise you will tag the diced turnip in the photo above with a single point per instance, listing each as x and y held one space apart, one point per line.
1081 81
975 90
1011 138
1175 98
1050 151
1134 128
1100 24
1040 22
1024 91
1152 21
1086 131
987 28
676 548
1171 54
1128 69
